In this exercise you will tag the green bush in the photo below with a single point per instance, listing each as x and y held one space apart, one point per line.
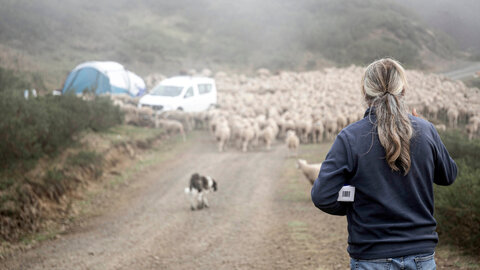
103 114
41 126
10 81
460 148
54 176
13 80
457 207
6 182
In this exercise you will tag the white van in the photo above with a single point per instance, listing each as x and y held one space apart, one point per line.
190 94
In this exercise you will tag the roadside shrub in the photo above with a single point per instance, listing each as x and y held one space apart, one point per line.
54 176
87 159
457 207
10 81
41 126
6 182
55 184
104 114
84 159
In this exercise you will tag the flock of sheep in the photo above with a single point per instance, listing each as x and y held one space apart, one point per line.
306 107
317 105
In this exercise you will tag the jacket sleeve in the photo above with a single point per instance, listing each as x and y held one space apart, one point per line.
333 175
445 167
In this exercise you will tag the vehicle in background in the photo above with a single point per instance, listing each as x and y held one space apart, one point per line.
190 94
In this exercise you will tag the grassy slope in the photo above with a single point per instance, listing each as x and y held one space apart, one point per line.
53 36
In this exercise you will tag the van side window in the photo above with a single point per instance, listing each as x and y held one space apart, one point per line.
189 92
204 88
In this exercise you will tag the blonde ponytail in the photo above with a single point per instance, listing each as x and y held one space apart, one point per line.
384 85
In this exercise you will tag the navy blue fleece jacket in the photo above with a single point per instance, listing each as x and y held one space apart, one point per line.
392 214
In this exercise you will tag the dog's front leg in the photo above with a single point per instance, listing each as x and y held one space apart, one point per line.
193 206
200 203
193 200
204 200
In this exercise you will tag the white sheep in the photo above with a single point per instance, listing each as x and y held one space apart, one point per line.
130 113
309 170
473 127
341 122
441 127
268 136
247 136
146 116
292 142
184 117
331 128
222 135
304 128
171 126
263 72
452 115
318 130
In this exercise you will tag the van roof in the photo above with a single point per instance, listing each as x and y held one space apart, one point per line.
186 80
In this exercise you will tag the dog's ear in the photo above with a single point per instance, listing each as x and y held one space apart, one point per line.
214 185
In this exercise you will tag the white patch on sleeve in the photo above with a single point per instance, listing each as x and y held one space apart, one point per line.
346 194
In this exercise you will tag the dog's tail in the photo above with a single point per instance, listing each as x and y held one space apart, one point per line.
187 190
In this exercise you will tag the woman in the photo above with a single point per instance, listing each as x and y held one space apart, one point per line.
392 159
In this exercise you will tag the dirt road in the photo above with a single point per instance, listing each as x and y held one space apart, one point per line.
260 218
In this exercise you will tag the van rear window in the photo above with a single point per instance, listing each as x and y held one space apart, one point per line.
204 88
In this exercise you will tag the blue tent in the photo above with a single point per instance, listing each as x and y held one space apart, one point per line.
103 78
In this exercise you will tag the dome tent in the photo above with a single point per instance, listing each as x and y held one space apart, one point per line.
103 78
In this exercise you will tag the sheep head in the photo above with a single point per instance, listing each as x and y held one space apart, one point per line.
300 162
290 133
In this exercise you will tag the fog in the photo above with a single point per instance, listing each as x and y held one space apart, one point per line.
457 18
53 36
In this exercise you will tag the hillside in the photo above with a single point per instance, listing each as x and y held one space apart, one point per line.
50 37
457 18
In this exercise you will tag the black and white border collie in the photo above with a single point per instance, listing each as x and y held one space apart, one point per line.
199 187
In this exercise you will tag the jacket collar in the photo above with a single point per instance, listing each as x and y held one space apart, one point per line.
369 111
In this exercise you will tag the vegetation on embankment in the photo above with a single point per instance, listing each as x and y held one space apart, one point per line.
34 133
457 207
38 126
46 192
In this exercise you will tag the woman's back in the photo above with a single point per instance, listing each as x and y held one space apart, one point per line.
392 212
